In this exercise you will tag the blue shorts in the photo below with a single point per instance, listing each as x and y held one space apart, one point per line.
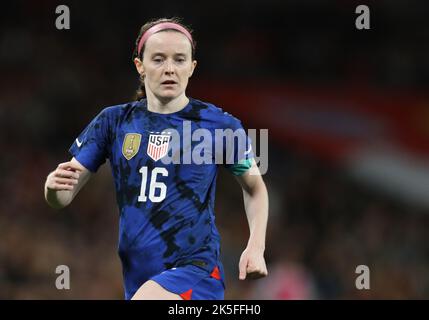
192 283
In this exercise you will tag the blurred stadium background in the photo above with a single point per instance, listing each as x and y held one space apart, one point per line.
348 118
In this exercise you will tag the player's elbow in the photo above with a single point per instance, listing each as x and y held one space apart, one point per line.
257 188
58 199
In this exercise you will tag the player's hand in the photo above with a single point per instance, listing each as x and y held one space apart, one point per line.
252 264
64 177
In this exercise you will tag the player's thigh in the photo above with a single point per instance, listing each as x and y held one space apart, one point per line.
150 290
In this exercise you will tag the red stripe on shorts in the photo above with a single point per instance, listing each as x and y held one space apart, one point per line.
186 295
215 273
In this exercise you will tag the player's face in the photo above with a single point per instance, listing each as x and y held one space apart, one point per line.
167 64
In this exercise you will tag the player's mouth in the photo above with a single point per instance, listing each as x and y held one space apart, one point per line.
168 83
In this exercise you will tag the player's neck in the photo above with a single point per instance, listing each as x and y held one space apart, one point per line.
166 106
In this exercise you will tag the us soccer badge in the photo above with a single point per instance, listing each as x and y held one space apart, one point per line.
157 146
131 145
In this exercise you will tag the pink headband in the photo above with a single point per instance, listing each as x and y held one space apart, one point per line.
163 26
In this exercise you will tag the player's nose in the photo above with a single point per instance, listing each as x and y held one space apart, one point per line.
169 67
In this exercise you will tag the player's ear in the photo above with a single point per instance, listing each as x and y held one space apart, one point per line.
193 66
139 66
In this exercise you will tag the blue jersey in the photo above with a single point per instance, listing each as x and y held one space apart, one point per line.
166 208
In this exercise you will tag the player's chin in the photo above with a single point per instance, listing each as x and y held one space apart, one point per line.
169 93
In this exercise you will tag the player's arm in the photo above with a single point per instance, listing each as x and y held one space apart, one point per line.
64 183
252 262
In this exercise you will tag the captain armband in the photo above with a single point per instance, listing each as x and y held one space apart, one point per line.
240 168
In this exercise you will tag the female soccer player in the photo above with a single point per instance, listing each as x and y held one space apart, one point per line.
169 245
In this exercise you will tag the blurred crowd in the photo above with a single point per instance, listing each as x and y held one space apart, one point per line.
322 224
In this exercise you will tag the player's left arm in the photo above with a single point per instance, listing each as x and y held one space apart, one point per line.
252 263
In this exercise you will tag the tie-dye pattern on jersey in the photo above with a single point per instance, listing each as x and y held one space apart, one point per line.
166 210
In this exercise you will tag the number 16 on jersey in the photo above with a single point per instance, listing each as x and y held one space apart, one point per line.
153 185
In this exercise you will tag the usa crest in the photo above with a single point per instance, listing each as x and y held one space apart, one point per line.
157 146
131 145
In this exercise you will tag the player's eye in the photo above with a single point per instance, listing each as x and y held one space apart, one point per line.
157 60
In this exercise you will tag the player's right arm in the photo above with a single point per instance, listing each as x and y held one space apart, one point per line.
64 183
